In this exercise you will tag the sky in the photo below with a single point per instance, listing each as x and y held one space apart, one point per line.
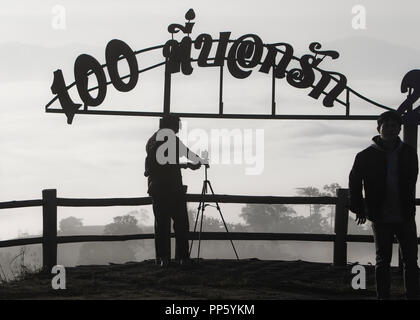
103 156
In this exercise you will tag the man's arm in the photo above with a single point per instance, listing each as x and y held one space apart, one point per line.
415 166
150 162
172 143
193 157
355 189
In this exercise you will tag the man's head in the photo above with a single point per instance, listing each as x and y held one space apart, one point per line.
389 125
170 121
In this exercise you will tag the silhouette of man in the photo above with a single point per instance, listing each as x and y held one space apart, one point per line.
163 169
388 170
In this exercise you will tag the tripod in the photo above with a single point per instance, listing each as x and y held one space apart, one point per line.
200 210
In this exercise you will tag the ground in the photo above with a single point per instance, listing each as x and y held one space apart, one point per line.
209 279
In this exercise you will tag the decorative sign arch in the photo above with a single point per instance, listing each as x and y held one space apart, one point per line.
241 56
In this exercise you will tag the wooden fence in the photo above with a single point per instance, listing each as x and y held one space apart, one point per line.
50 240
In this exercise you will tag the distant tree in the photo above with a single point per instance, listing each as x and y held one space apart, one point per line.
115 252
354 228
211 224
314 223
283 218
269 217
126 224
70 224
318 223
329 190
311 192
142 215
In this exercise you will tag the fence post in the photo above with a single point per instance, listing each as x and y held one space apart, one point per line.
49 224
340 228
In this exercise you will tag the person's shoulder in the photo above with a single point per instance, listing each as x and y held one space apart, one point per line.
151 142
152 138
366 152
408 149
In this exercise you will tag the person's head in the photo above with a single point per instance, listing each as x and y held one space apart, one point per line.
389 125
170 121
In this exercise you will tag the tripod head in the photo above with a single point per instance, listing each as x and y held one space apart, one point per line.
205 157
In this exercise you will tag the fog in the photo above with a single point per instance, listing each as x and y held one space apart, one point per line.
103 156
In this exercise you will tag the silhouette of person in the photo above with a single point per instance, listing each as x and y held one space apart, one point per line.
388 170
163 169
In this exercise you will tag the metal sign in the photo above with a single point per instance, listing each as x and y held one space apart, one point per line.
241 57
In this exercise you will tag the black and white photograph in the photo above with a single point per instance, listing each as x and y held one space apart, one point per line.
227 152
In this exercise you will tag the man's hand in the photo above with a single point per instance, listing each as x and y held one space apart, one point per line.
360 218
205 162
193 166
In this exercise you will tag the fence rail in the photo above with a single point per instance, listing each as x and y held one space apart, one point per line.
50 240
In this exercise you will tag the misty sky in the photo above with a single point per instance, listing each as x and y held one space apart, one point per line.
103 156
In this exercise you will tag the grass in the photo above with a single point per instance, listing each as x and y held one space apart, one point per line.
18 270
210 279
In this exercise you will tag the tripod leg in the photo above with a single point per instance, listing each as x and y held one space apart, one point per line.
195 226
224 223
201 203
201 222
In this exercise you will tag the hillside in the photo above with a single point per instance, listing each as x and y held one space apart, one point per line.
210 279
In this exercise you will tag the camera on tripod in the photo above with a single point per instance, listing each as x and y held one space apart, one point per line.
205 158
